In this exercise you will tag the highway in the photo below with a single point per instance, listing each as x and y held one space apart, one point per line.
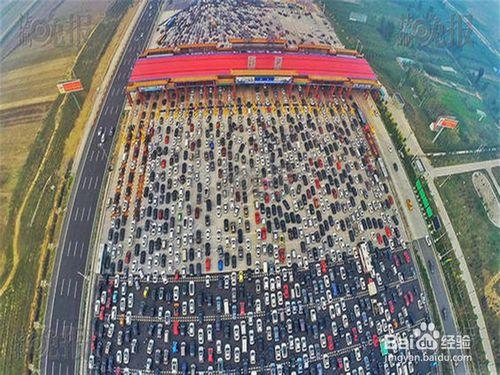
65 294
415 222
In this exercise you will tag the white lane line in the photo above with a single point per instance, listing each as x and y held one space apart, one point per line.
84 181
61 287
103 157
63 328
88 214
97 154
74 248
106 110
76 214
68 247
69 287
60 365
117 109
95 183
91 155
76 289
67 370
57 327
82 248
90 182
83 213
52 369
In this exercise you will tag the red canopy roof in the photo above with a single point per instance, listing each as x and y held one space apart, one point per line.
216 64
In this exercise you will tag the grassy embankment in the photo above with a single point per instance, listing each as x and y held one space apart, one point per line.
39 198
479 240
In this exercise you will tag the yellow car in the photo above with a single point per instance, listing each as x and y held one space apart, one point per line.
146 292
409 203
241 277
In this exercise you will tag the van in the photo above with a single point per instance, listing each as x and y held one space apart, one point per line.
226 306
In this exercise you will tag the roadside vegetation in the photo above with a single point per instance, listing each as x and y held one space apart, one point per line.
466 319
37 203
479 240
413 68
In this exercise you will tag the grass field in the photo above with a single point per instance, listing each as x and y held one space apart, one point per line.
479 240
424 98
43 182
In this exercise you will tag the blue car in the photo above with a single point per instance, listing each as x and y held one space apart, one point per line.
220 265
175 347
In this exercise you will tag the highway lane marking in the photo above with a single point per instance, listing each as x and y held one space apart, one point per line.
52 368
63 328
88 214
60 366
83 213
69 287
57 326
68 247
75 290
97 154
117 109
76 214
90 182
106 110
96 182
91 155
82 249
75 247
103 156
83 182
61 287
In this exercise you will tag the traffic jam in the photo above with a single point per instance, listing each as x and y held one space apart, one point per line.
251 232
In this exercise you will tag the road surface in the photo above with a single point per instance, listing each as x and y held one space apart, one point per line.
65 296
463 168
414 219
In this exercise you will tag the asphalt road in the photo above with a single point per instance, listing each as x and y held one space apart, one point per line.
442 301
59 344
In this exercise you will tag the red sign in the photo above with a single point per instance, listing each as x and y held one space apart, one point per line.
446 122
70 86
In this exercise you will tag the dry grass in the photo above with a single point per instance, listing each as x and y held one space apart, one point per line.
76 135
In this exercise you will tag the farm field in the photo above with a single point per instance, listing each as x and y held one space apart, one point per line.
479 240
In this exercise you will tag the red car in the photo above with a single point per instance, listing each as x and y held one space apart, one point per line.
407 256
391 307
329 340
388 232
339 165
242 308
163 163
127 257
375 341
281 254
267 198
323 266
167 139
257 218
316 182
355 334
264 233
175 328
210 352
208 264
286 291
